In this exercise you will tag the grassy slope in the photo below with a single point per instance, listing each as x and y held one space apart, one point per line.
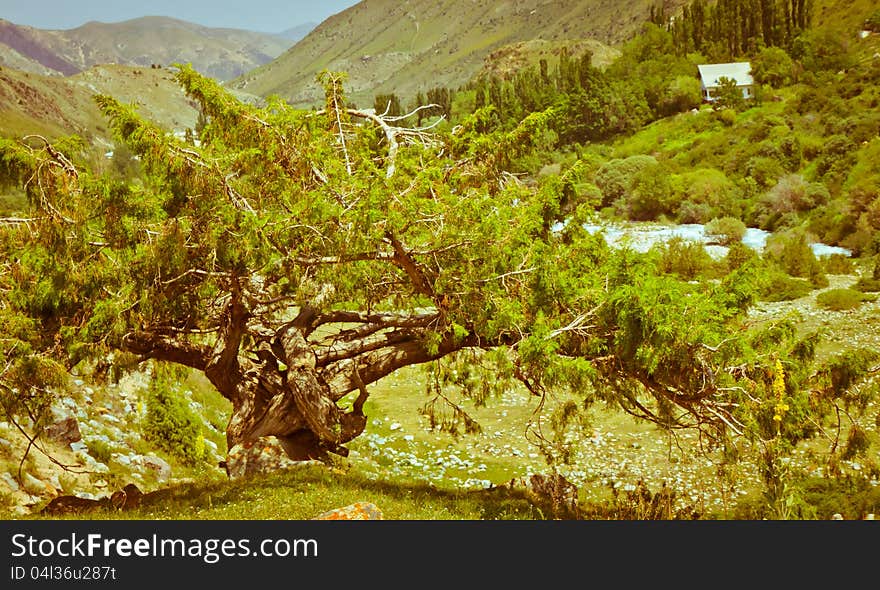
53 106
403 47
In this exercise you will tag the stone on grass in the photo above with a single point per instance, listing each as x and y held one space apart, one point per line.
356 511
263 455
160 468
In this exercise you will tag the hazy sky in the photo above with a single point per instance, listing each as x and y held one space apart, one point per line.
271 16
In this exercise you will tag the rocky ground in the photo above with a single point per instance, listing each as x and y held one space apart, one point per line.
96 445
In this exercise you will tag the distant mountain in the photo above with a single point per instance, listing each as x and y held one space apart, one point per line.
403 47
220 53
298 32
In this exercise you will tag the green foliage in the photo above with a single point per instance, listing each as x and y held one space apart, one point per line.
100 450
840 299
726 230
838 264
793 254
615 177
773 66
781 287
728 96
170 424
686 259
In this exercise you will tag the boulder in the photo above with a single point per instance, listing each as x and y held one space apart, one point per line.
263 455
160 468
64 427
356 511
35 486
64 431
10 482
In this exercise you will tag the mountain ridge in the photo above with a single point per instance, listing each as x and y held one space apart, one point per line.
388 46
222 53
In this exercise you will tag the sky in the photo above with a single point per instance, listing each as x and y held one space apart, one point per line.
269 16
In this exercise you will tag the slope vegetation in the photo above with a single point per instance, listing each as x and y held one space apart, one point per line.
54 106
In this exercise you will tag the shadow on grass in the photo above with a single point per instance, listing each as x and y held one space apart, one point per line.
305 492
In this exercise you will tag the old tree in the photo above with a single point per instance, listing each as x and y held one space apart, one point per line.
297 257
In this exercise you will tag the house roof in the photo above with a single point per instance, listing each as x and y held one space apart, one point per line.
739 71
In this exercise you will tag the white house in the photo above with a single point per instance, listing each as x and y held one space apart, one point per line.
741 72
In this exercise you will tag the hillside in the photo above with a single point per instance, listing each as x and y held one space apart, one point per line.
53 105
388 46
219 53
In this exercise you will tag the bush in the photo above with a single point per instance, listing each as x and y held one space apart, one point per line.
781 287
793 254
867 285
616 176
840 299
838 264
685 258
726 230
773 66
100 450
739 254
171 425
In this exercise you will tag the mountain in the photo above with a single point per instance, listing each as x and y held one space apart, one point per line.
403 47
220 53
56 105
298 32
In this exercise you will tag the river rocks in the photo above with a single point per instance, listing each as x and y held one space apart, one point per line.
356 511
264 455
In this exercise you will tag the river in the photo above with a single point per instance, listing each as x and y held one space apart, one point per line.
641 236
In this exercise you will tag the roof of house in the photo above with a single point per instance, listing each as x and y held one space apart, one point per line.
739 71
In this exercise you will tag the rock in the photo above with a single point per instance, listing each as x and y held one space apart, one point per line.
64 431
74 505
395 426
5 446
9 481
263 455
160 467
837 516
34 486
356 511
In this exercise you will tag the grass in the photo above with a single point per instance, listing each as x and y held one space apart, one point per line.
304 493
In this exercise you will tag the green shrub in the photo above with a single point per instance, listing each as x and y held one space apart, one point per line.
867 285
738 254
727 116
99 450
793 254
685 258
616 176
726 230
838 264
781 287
840 299
171 425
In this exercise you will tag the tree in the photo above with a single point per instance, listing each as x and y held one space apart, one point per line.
295 259
728 95
773 66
